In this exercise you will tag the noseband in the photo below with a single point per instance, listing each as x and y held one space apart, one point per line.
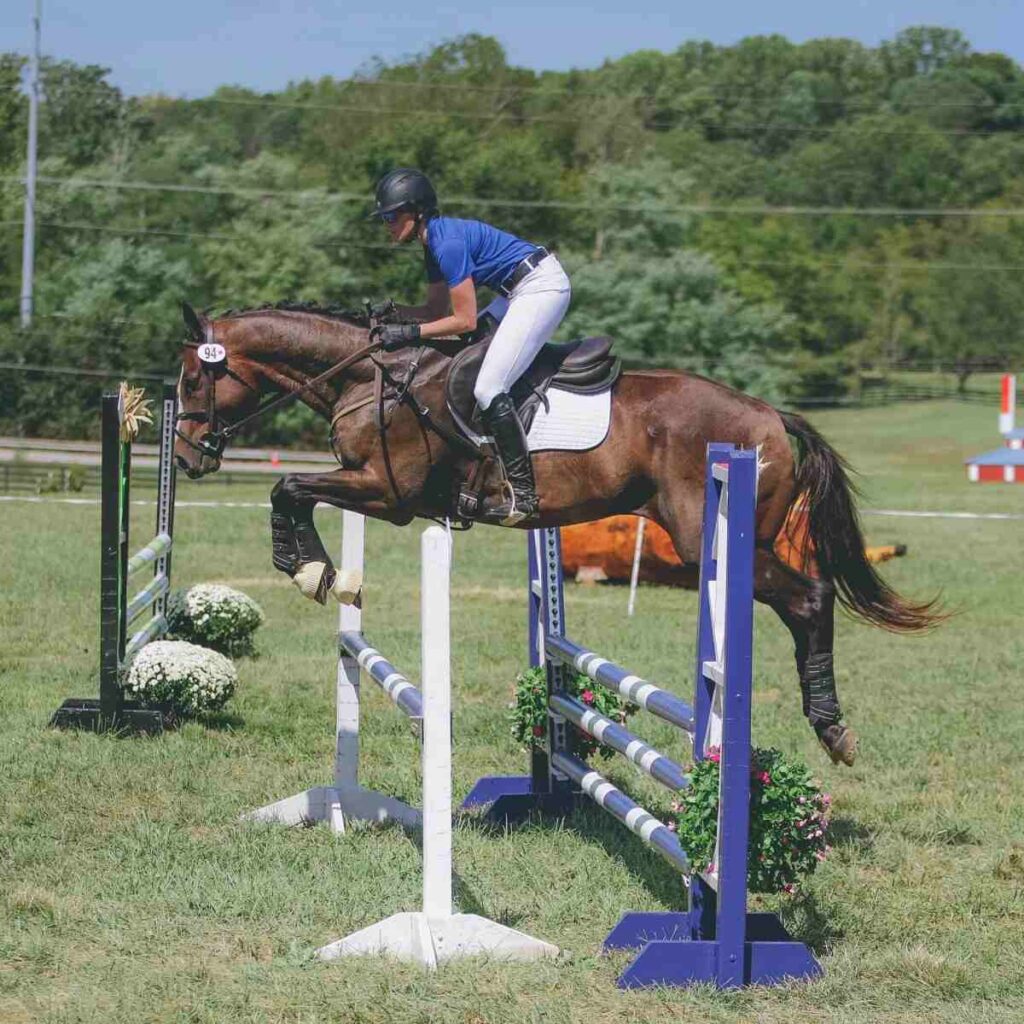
214 440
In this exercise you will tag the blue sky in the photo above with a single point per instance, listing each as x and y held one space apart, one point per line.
188 47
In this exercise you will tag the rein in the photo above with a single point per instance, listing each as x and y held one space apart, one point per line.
213 442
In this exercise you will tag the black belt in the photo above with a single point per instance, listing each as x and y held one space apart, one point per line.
522 269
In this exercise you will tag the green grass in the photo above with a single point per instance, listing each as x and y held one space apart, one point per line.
129 892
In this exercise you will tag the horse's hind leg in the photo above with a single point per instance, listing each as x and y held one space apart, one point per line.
807 607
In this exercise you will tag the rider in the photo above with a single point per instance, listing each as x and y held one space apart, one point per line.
461 255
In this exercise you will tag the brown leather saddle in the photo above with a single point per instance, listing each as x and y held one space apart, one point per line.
585 366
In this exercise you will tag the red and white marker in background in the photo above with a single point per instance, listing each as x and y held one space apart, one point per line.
275 457
1012 437
1008 407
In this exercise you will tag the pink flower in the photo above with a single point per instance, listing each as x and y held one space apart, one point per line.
671 826
538 730
802 800
826 799
820 854
587 696
789 888
713 754
765 778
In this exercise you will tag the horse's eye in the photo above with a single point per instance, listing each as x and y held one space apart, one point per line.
191 385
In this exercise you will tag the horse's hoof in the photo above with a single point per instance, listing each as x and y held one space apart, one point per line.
840 741
313 581
348 586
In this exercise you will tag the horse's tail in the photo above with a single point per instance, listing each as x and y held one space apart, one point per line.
838 543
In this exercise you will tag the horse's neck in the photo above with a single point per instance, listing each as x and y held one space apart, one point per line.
290 351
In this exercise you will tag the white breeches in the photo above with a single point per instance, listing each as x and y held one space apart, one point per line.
528 319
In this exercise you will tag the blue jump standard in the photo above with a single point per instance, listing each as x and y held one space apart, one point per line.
715 940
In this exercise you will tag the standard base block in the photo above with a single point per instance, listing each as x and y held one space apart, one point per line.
510 798
669 956
84 713
337 806
432 941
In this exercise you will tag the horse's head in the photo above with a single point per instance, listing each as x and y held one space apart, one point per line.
214 392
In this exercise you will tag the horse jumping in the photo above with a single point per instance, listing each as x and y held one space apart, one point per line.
401 455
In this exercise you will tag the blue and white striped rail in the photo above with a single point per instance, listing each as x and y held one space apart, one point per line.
651 698
145 597
157 547
156 627
661 768
406 696
715 940
638 820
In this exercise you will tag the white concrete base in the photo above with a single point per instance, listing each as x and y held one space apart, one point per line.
415 937
338 806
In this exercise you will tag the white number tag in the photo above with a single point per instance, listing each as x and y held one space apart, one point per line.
212 353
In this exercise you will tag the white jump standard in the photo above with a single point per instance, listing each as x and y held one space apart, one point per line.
345 800
434 934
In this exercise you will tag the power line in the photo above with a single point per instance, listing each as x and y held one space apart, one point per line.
724 259
164 233
596 206
565 92
79 371
724 128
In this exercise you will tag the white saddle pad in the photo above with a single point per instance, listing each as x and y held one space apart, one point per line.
574 422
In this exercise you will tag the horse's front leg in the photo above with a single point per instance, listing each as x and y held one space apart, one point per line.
297 547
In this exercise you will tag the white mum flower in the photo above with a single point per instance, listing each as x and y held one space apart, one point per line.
214 615
190 677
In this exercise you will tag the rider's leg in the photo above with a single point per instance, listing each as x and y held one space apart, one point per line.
535 310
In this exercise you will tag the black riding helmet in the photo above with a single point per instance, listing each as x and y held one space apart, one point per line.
405 188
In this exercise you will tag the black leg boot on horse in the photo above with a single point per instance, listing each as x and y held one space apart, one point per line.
299 552
520 501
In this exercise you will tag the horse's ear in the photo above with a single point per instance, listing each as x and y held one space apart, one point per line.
194 322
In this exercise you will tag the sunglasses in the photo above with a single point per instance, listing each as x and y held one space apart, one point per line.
390 218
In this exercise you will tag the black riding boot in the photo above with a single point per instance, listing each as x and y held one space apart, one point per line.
502 422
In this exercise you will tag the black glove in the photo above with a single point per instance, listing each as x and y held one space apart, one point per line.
380 310
395 336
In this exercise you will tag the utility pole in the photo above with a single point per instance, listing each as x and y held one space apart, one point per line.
28 240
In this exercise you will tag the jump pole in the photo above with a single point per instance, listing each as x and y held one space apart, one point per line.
638 551
345 800
110 711
435 933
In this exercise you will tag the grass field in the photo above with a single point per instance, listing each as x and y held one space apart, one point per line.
130 894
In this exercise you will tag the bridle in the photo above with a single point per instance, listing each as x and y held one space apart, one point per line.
214 440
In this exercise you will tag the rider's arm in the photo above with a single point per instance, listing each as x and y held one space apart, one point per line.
463 315
434 308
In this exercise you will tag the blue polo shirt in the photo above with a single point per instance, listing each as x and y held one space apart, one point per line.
457 249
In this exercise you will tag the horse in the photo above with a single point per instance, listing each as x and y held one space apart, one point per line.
402 456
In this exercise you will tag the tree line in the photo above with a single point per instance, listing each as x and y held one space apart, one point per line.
784 217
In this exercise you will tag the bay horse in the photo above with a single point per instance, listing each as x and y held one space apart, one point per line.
406 459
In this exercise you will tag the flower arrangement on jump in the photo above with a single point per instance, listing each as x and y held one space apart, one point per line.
216 616
788 820
529 709
189 678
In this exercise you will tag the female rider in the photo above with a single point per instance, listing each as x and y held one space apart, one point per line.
534 292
